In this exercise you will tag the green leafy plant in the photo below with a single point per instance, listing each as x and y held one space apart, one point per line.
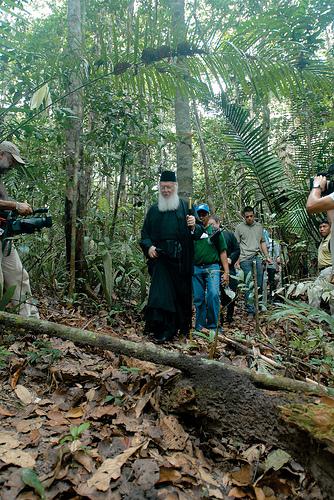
44 352
209 337
309 341
3 356
30 478
7 297
75 433
116 400
295 311
127 369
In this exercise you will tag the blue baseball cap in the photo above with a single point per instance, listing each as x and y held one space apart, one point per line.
204 207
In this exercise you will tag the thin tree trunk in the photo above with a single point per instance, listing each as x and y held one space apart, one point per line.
119 192
73 134
182 108
207 164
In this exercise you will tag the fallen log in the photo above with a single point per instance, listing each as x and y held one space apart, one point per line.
224 399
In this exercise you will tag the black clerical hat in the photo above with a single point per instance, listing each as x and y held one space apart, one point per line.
167 176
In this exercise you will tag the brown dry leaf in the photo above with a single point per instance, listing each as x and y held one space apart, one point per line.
100 411
28 425
90 395
169 475
131 424
215 493
74 413
260 495
85 460
174 436
111 469
56 418
16 457
187 463
242 477
145 366
326 400
142 403
9 439
205 476
15 377
24 395
5 413
34 437
146 472
253 453
238 493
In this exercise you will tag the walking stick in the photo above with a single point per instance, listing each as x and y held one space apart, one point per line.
256 298
212 351
190 210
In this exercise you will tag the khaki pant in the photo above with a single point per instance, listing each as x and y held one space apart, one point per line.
321 285
12 273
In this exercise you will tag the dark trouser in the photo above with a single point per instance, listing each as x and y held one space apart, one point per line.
271 280
169 307
226 300
247 267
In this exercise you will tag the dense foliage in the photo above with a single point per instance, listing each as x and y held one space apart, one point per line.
260 74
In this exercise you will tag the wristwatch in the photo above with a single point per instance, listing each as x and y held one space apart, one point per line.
316 187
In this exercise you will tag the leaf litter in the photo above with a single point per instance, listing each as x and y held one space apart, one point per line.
82 423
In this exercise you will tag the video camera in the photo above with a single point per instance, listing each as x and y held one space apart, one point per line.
330 180
12 225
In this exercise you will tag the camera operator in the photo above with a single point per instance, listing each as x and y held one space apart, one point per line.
317 203
12 272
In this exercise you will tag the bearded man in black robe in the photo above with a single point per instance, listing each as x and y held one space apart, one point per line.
167 242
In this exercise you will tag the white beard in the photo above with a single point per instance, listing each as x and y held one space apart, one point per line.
167 204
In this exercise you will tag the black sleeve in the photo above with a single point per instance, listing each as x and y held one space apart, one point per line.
145 241
199 230
234 249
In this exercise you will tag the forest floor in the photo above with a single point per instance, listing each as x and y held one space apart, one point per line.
78 422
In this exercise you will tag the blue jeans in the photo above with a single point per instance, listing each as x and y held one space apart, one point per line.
247 267
206 280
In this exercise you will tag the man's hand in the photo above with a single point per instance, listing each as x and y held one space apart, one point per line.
268 260
225 279
152 252
320 181
23 208
191 221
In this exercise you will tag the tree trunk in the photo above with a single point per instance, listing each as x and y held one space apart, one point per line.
224 400
182 109
73 134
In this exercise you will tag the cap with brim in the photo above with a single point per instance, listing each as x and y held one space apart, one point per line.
167 176
204 207
9 147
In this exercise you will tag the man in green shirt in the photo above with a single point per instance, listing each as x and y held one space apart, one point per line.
206 279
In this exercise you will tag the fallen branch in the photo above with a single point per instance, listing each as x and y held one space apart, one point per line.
147 351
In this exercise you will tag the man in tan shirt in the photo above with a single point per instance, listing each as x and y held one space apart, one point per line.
249 235
324 252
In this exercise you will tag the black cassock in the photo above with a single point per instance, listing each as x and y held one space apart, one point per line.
169 306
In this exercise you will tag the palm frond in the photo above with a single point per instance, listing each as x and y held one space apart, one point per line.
249 144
